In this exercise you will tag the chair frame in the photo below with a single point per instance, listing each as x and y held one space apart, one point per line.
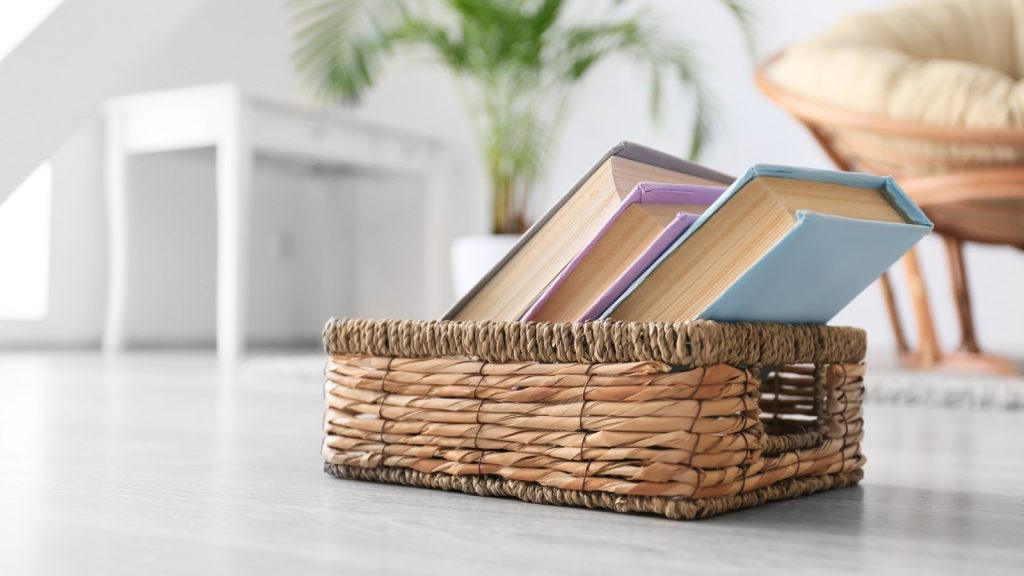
980 181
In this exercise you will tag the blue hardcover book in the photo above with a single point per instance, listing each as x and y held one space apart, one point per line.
782 244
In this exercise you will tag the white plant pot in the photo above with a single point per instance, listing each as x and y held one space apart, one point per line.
474 256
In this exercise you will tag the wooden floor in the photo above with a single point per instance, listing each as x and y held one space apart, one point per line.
161 464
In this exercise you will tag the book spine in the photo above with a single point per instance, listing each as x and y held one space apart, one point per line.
531 313
673 231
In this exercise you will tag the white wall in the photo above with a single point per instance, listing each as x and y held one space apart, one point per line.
74 59
78 258
247 42
307 216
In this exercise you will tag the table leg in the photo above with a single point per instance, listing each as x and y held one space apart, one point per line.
234 179
116 184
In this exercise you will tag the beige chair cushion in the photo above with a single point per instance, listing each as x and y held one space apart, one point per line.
937 62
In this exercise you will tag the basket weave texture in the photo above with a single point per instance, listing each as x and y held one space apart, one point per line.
683 420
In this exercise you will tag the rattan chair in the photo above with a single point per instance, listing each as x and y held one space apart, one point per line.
968 200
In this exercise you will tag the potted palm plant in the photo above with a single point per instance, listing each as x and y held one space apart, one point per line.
519 62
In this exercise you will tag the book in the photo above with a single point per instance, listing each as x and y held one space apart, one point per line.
512 285
782 244
650 218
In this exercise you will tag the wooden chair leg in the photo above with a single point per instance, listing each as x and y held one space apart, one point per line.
894 316
969 357
928 354
961 294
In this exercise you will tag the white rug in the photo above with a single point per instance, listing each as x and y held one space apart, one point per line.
980 391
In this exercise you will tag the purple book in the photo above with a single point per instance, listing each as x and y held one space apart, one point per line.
656 211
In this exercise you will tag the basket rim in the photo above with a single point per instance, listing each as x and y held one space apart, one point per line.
691 343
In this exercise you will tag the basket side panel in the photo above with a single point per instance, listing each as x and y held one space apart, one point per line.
642 428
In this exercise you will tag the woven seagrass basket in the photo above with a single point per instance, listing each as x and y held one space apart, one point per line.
683 420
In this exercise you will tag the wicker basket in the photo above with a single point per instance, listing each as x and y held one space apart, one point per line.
682 420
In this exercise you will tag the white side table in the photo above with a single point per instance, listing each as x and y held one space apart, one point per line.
239 126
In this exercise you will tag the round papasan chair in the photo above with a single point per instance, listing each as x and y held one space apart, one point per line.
931 92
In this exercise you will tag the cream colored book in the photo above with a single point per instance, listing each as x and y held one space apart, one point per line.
509 289
649 220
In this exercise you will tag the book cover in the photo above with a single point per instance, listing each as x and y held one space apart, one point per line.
643 193
821 264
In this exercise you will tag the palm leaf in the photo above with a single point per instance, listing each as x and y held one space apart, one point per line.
749 20
340 43
520 62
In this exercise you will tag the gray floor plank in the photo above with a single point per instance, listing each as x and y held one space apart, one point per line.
161 463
